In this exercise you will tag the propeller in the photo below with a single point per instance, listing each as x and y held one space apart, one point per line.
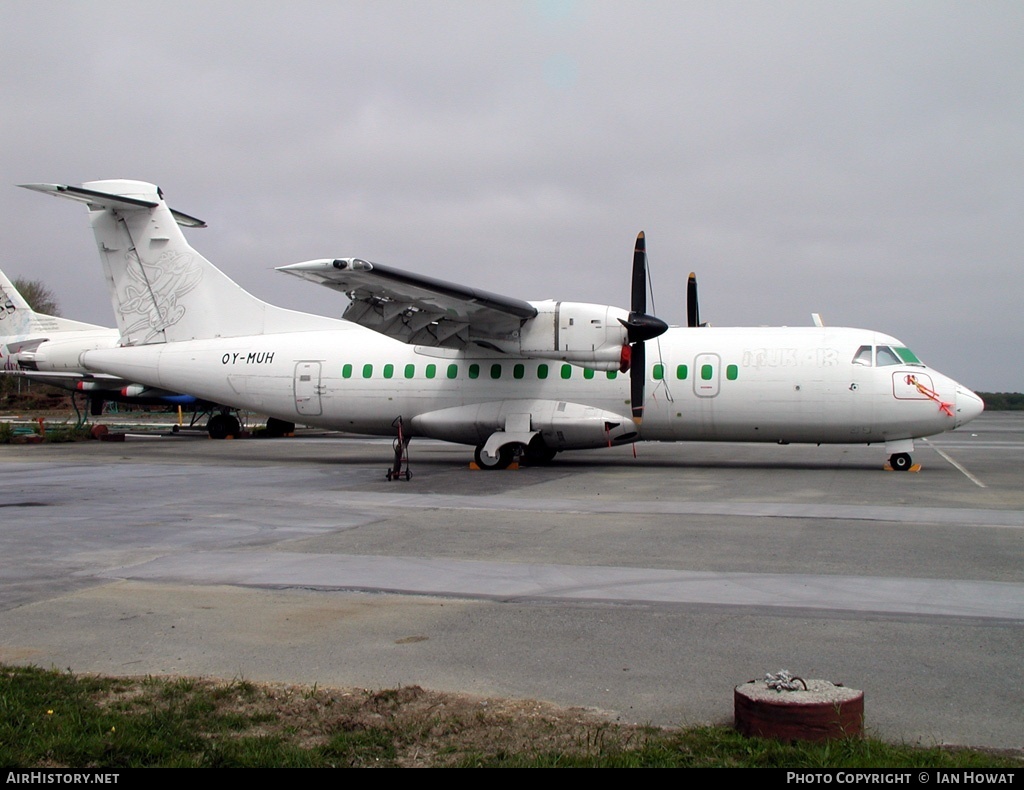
640 327
692 310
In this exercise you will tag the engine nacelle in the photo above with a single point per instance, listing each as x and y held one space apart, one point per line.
588 335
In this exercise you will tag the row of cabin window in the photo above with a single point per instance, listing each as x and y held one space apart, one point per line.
707 372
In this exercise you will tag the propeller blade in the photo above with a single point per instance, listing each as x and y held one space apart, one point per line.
638 293
637 374
640 327
692 310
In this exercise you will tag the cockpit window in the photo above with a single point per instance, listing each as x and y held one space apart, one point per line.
863 356
882 356
908 356
886 356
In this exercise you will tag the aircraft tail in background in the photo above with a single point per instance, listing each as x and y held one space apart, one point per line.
19 320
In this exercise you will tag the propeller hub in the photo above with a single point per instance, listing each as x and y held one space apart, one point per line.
642 326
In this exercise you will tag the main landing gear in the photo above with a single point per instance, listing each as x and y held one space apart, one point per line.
506 455
536 453
277 428
223 425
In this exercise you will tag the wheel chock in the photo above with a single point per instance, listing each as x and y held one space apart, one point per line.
913 468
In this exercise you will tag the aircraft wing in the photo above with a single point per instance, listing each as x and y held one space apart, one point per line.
72 381
416 309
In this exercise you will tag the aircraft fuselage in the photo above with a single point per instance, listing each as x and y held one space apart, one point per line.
798 384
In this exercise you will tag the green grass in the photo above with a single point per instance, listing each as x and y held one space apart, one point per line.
57 719
722 747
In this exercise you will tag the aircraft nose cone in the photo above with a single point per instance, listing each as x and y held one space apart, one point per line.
968 405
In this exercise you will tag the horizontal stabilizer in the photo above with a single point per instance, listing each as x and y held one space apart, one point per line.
98 200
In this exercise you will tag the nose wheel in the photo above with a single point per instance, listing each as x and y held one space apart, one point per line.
900 462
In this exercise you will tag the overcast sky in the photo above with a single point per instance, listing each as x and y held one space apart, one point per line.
864 160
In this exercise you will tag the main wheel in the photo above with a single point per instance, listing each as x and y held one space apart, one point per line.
900 461
217 426
505 455
221 426
539 453
276 427
233 425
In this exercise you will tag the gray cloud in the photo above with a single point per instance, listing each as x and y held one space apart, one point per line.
858 159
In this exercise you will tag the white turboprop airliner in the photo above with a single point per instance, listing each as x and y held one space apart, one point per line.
509 377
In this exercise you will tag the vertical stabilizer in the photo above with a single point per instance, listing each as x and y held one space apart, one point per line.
161 288
18 319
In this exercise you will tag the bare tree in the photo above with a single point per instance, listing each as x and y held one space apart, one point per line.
38 295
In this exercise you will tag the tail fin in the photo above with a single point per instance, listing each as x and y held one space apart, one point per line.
18 319
163 290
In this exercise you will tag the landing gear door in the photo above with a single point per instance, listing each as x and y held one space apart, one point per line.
308 388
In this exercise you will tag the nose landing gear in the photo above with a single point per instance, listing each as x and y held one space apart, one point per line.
900 462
